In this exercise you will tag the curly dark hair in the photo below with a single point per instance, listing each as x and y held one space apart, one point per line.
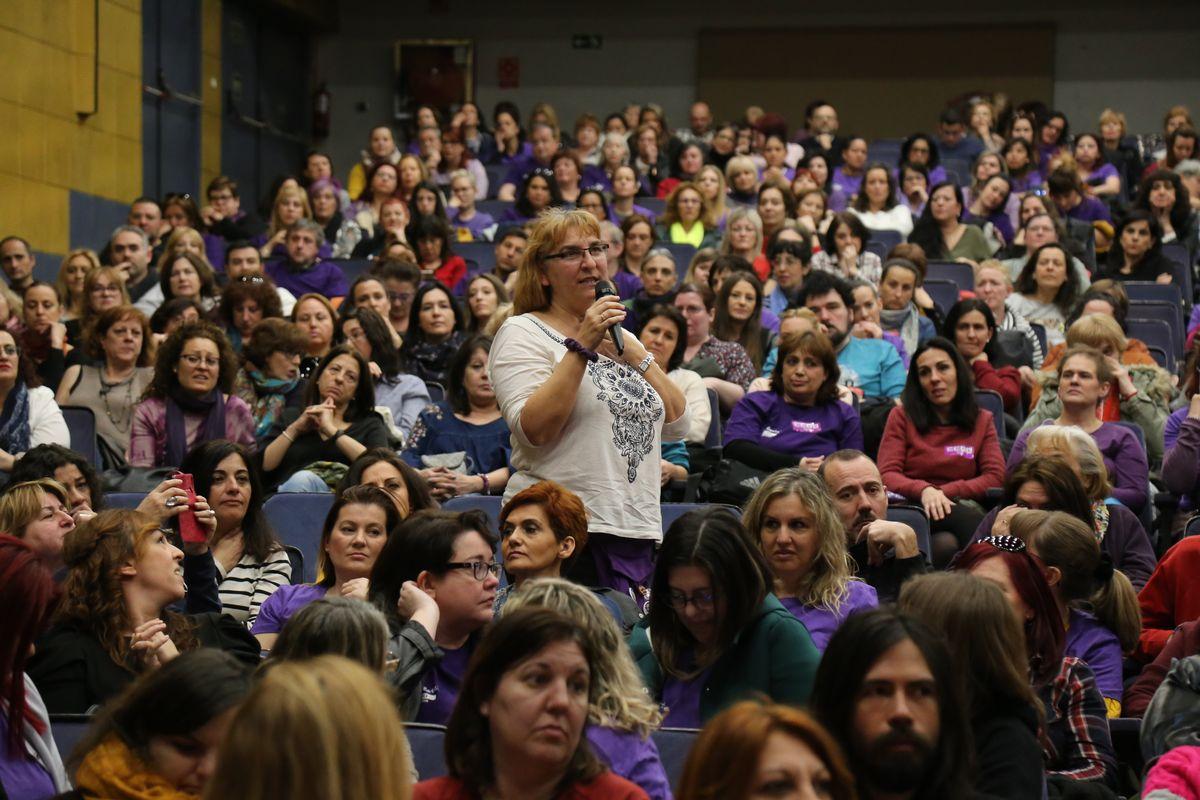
260 290
43 460
419 495
258 538
363 400
271 336
208 280
167 360
383 349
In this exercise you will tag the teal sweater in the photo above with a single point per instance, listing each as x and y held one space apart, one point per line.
772 656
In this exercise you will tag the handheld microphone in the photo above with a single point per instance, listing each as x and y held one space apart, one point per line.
605 289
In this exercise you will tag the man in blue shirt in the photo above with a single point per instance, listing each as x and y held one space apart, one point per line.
953 142
870 365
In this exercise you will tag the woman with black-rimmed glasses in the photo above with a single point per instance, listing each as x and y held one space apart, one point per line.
715 634
564 390
436 582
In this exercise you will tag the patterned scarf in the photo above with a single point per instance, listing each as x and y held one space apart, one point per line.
905 322
112 770
271 394
14 424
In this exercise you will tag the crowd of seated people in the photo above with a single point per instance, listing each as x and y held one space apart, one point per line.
958 554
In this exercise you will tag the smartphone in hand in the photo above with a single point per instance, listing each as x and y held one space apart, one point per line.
189 526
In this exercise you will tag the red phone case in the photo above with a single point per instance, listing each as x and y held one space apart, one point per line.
189 526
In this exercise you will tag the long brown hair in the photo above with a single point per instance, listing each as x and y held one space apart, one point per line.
989 643
92 599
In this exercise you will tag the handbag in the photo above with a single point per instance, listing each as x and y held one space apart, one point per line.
730 482
455 462
1011 349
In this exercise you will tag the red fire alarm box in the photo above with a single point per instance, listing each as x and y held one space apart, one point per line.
508 72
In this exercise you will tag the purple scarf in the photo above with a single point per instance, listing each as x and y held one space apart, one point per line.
180 402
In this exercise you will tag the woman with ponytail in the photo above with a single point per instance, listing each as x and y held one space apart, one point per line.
1082 577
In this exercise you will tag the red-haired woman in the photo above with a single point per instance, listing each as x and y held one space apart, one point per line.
777 746
30 765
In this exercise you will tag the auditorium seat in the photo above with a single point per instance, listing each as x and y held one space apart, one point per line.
915 518
673 745
489 504
944 293
123 499
68 730
993 402
673 511
81 422
958 273
297 519
428 745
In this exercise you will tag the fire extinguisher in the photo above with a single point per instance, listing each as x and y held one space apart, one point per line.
322 101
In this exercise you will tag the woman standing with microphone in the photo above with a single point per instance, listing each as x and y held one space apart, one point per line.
581 413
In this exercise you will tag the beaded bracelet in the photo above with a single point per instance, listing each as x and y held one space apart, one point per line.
576 347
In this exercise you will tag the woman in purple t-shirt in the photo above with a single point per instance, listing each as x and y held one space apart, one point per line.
800 532
1078 574
449 557
356 529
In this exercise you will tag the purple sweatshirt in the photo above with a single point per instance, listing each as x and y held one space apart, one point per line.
633 758
323 277
821 621
1181 464
475 226
439 687
283 603
1123 457
766 419
1099 648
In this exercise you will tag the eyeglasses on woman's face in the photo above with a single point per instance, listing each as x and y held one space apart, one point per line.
479 569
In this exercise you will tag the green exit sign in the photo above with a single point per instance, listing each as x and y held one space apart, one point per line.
587 41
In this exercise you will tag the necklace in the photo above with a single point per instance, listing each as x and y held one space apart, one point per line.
125 419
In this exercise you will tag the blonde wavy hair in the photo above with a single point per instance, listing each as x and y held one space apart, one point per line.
284 193
620 698
174 246
74 305
21 504
549 230
322 729
827 581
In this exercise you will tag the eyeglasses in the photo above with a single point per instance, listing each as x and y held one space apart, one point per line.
703 601
479 569
9 350
196 360
574 255
1009 544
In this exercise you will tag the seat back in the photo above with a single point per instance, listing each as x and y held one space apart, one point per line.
714 437
495 208
1039 330
1171 313
127 500
682 253
915 518
487 503
655 205
1161 358
296 560
297 518
68 731
352 267
886 239
943 292
1181 268
1154 333
993 402
483 254
673 745
437 392
961 275
1148 290
81 422
428 745
1193 527
673 511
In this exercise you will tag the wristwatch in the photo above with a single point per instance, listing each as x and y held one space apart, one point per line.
645 363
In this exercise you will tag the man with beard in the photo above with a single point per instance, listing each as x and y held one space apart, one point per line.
870 366
886 690
886 552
